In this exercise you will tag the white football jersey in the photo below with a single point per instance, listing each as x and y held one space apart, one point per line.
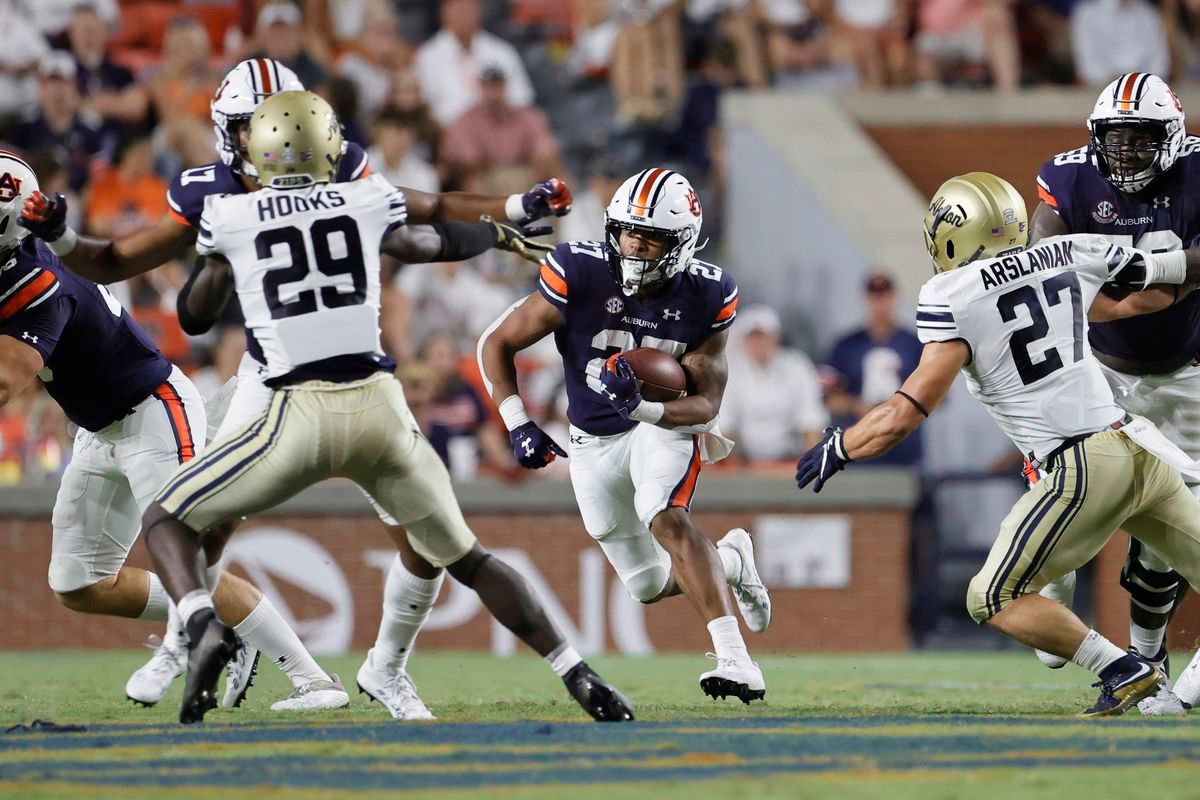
1024 316
306 266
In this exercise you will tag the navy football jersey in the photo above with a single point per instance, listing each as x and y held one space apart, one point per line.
98 363
1164 216
600 321
185 196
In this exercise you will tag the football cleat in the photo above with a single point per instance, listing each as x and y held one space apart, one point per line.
394 690
239 675
318 695
1133 678
597 697
733 678
151 681
208 654
753 601
1061 591
1164 704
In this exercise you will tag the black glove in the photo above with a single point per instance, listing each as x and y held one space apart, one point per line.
533 448
45 218
516 239
824 459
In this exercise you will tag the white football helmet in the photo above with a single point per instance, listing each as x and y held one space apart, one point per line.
240 93
1145 102
17 184
660 202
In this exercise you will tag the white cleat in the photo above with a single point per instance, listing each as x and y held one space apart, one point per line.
753 601
1165 703
148 685
395 690
1061 591
316 695
239 675
732 678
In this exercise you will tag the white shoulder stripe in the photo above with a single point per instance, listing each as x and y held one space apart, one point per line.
554 264
553 294
1042 183
735 294
359 169
174 206
33 274
45 296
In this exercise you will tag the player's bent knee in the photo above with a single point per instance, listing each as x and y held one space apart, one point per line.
647 584
69 575
977 600
85 599
672 524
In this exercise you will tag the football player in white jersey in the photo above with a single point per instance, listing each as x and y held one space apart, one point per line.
305 263
1014 322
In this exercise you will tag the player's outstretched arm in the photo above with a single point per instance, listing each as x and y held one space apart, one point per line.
103 260
19 365
548 198
204 296
1106 308
458 241
1045 223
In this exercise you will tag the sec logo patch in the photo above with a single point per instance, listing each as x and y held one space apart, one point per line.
1104 212
614 305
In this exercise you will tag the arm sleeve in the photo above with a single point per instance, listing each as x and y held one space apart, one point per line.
727 310
935 319
552 278
41 321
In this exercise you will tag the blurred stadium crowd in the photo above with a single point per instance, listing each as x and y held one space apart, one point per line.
109 100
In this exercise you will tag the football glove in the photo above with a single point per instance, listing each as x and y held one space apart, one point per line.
620 385
517 239
45 218
532 446
822 461
547 198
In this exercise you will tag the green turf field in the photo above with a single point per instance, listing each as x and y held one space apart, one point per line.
975 726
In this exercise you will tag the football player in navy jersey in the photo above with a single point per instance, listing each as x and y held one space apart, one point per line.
412 586
1137 183
635 463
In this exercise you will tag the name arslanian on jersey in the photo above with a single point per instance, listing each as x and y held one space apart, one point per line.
1018 265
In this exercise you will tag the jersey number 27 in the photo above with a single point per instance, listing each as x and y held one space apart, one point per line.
323 233
1039 327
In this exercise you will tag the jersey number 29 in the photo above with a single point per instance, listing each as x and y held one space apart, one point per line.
322 233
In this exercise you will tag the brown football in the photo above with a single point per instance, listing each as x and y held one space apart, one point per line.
659 374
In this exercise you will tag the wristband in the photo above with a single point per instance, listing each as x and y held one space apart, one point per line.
514 208
1166 267
648 411
512 410
66 243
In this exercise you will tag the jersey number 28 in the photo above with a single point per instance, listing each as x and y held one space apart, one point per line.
323 233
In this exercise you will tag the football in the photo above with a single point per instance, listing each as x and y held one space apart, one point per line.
659 375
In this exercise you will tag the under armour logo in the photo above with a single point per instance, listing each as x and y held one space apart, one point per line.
29 337
672 315
527 443
1162 202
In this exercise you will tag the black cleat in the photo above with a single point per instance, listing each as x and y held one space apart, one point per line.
208 654
602 701
722 688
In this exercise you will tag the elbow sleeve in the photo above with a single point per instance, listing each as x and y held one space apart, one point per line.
463 240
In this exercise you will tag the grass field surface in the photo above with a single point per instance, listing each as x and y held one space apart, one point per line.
929 725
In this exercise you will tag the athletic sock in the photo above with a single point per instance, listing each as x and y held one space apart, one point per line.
731 562
1147 641
264 629
727 639
1187 688
175 636
563 659
158 602
195 609
1095 653
407 601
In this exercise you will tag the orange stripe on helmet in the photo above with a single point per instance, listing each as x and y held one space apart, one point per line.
1047 198
1127 91
644 195
554 280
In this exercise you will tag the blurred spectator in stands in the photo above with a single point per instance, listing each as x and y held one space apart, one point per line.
344 22
495 147
53 17
647 68
736 21
457 423
221 360
392 155
374 59
342 94
23 50
772 406
968 40
604 176
799 46
129 195
12 441
867 366
874 35
185 81
107 88
405 96
448 65
1181 19
59 122
1112 37
279 33
459 298
1045 33
47 440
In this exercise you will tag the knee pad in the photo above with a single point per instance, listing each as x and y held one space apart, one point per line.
647 583
69 574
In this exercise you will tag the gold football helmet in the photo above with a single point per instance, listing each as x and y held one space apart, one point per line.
973 216
295 140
